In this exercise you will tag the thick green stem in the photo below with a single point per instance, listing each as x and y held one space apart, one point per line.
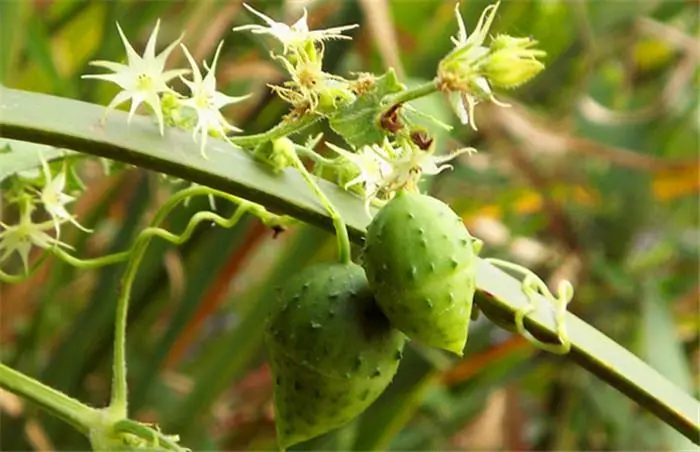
81 416
408 95
283 129
341 231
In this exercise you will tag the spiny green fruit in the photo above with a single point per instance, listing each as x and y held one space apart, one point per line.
420 262
331 349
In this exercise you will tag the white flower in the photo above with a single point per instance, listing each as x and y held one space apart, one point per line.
373 166
21 237
297 35
413 163
143 78
55 201
207 101
386 168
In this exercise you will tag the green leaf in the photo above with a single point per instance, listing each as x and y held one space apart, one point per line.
663 350
358 122
33 117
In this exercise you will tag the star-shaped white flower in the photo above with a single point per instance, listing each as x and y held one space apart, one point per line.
297 35
143 78
207 101
21 237
55 200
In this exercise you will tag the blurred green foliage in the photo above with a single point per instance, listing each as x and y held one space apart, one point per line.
591 176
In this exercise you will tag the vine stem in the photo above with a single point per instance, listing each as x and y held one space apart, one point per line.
422 90
341 231
14 279
88 264
79 415
283 129
118 401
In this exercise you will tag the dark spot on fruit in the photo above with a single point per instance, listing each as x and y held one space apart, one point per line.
376 373
306 286
297 386
432 267
421 231
411 216
331 313
399 355
429 303
358 363
364 395
454 262
317 394
278 381
277 230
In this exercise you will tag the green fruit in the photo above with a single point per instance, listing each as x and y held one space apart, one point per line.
420 262
332 351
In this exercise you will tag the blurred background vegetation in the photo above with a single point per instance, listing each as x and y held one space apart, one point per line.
591 176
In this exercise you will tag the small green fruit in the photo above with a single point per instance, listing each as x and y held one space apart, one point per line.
332 351
420 263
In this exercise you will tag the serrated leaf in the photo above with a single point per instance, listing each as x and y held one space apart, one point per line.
358 123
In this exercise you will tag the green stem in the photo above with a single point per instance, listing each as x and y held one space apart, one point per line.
341 230
316 157
419 91
88 264
118 402
14 279
145 432
282 129
81 416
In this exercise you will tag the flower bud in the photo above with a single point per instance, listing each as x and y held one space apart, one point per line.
512 61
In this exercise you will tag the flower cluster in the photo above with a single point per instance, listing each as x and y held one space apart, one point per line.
380 170
469 71
27 194
377 169
144 80
310 88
